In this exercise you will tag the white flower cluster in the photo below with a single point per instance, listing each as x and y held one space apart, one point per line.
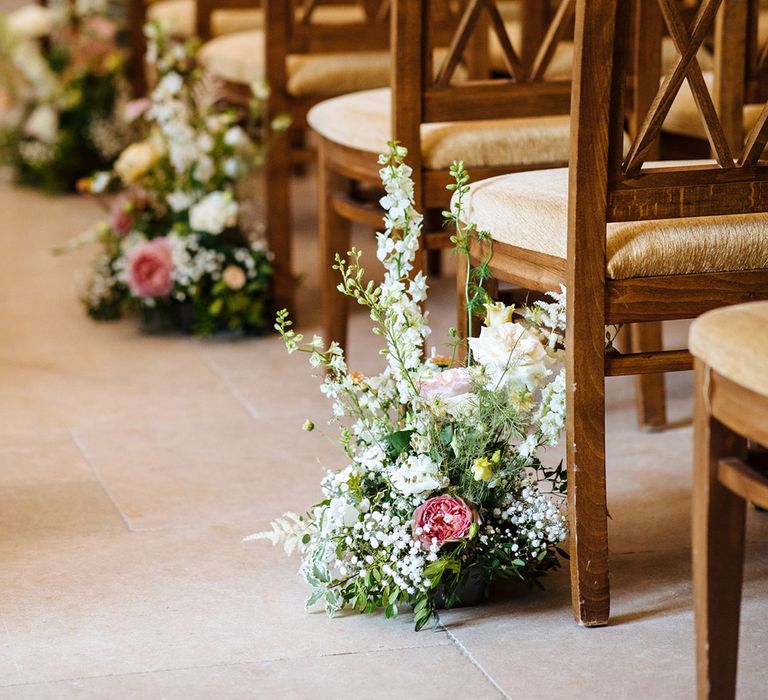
532 519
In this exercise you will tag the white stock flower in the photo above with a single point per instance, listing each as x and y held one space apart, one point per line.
204 169
42 124
418 474
214 213
180 200
31 21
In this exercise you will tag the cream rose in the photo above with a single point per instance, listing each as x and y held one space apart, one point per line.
136 161
512 355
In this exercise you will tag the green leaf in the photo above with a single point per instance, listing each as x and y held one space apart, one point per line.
398 442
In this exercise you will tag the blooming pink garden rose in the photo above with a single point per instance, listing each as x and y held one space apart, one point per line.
447 384
445 517
150 269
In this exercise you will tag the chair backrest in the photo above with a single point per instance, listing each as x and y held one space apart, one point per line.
311 27
204 10
737 182
424 92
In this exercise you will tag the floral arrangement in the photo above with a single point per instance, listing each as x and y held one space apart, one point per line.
175 247
444 490
63 90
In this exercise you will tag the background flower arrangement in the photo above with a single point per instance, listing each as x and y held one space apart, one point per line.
63 90
444 489
175 247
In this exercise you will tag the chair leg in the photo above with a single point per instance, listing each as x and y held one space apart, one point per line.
585 448
278 214
334 238
435 262
718 554
649 388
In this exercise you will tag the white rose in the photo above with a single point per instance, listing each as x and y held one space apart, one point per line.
418 474
136 161
42 124
31 21
511 354
214 213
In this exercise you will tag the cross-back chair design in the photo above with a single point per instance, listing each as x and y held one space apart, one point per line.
442 106
307 51
632 241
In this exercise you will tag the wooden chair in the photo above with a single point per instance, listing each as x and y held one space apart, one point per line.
631 241
517 123
731 408
206 18
683 132
305 55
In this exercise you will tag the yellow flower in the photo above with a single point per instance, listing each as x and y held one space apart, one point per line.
136 161
482 469
497 313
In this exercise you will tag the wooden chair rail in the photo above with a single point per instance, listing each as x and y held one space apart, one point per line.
366 213
317 38
744 481
625 364
680 296
494 100
737 407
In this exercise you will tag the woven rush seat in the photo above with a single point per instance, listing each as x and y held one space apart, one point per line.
530 210
362 121
683 118
733 342
239 58
179 17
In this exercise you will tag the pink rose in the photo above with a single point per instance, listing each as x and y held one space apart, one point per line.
150 269
445 517
447 384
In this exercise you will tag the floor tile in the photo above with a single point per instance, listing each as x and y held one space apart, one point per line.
374 675
136 602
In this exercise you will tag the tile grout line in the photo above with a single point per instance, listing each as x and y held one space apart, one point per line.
236 393
255 662
92 467
466 654
8 636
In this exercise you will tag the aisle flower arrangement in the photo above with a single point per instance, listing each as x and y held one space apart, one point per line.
64 89
175 247
444 490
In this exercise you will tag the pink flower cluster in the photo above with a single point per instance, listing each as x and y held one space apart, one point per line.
446 518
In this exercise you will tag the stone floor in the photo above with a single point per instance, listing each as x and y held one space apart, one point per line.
132 466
